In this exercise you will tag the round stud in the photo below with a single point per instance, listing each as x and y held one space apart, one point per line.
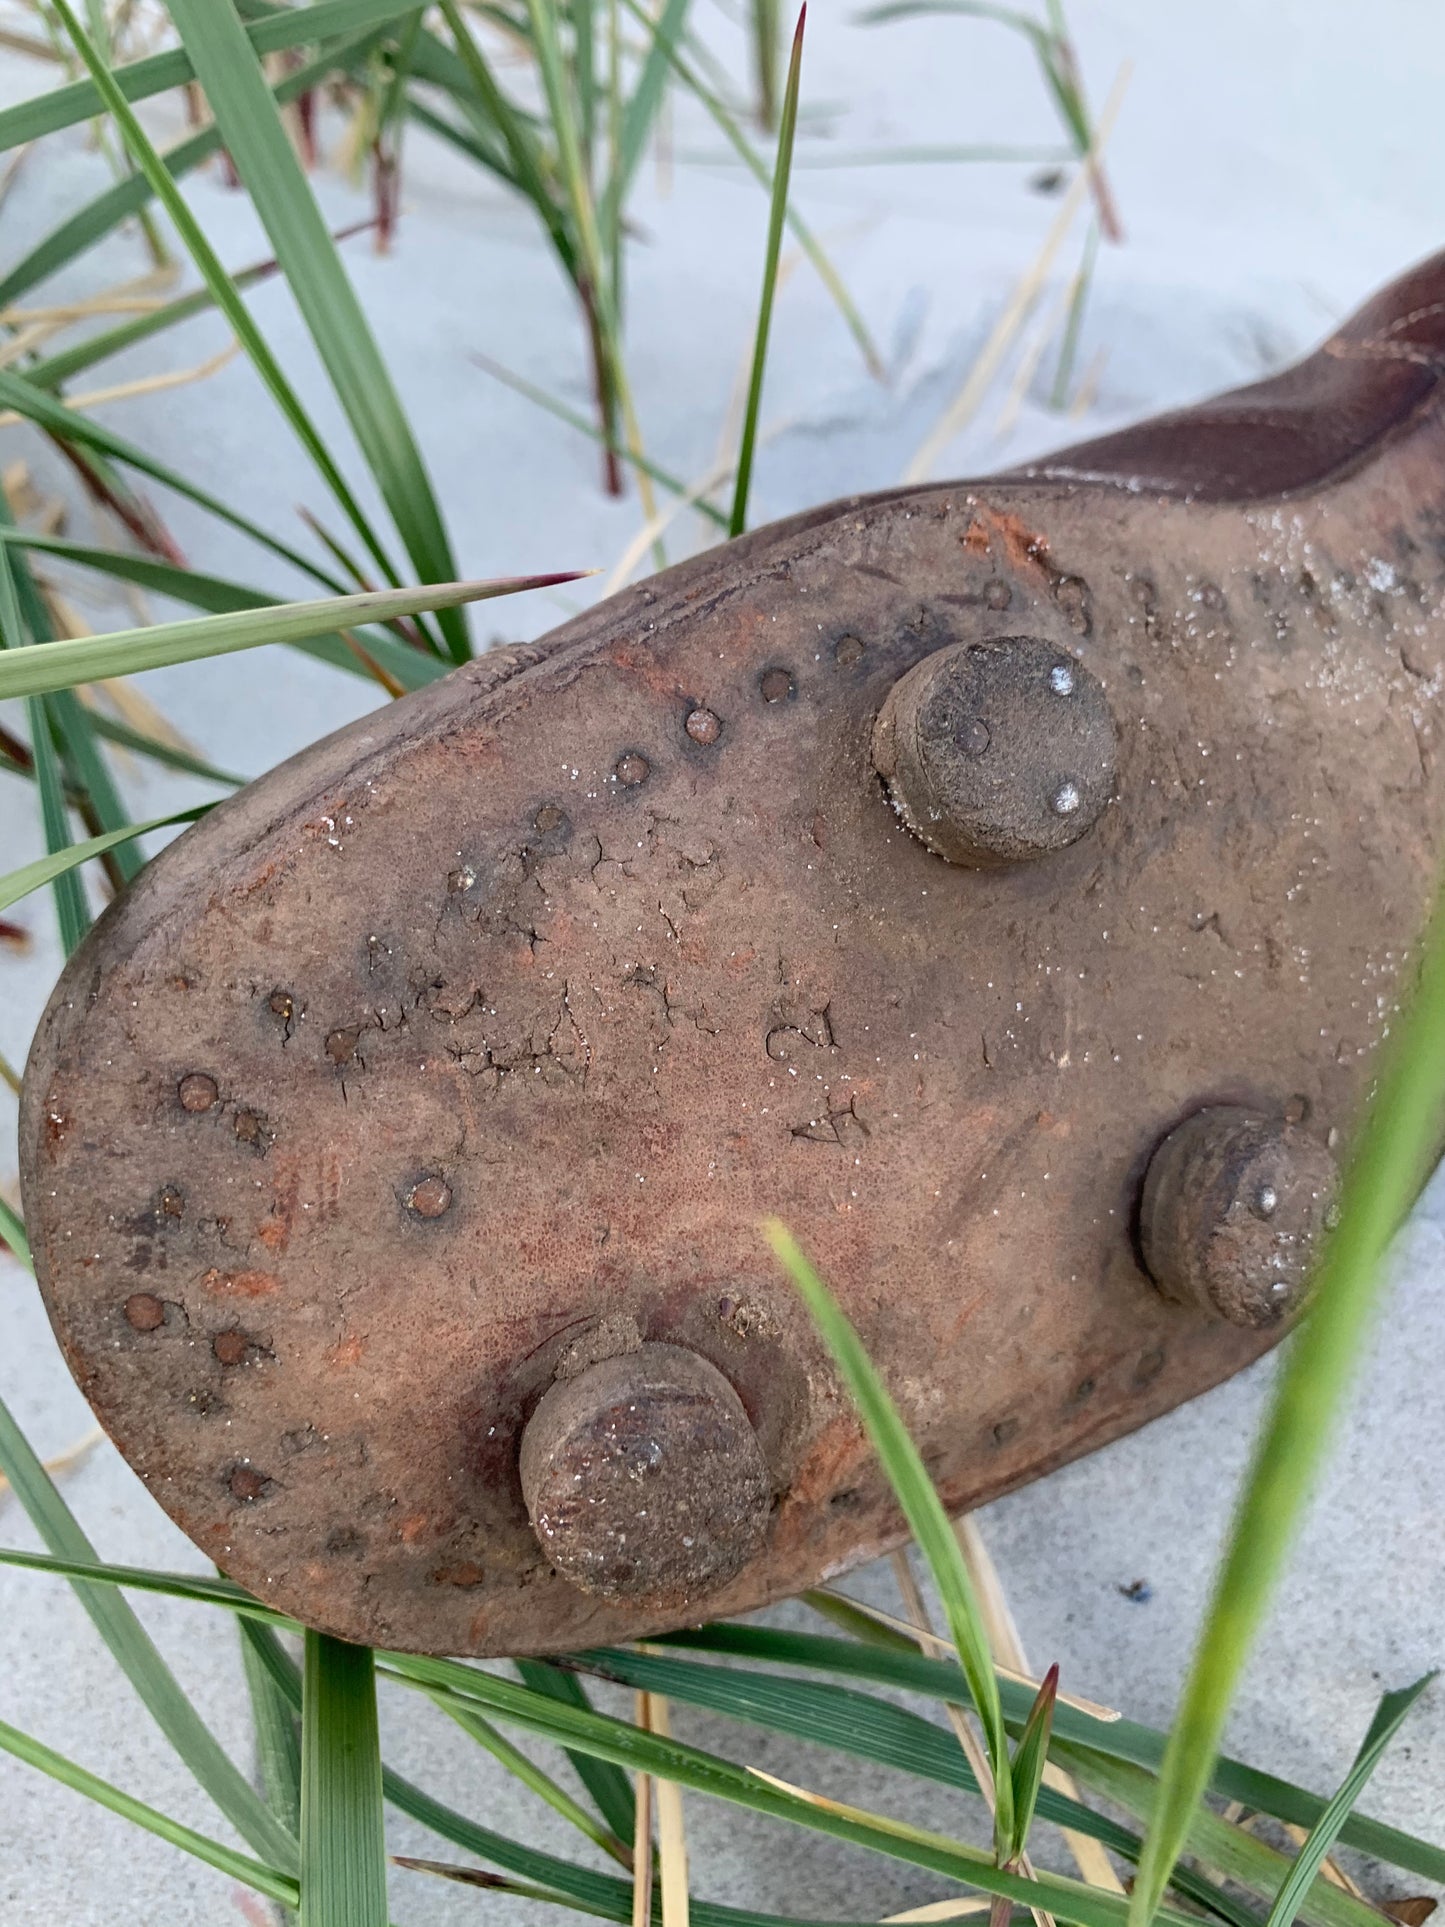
197 1091
1233 1209
703 726
995 752
643 1477
429 1197
632 770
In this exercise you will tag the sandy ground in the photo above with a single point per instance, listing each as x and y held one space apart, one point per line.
1272 165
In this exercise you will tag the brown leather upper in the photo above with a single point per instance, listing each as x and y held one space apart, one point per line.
1294 431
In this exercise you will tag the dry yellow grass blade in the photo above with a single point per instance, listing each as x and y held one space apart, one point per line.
938 1910
1019 305
1088 384
1003 1636
1238 1815
973 1750
95 306
33 335
1028 365
137 710
146 385
65 1461
29 44
935 1644
138 294
642 1830
671 1837
659 523
12 169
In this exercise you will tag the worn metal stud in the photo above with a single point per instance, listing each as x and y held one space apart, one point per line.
643 1477
197 1092
994 752
1232 1211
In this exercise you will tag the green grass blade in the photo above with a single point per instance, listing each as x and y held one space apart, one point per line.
172 1585
782 172
286 28
529 172
766 26
519 385
643 103
112 730
593 1892
1124 1740
1231 1851
821 1714
64 861
742 147
572 164
609 1787
131 195
922 1508
709 1773
974 9
266 161
58 869
12 1234
70 427
71 911
532 1777
1322 1836
278 1736
859 1724
343 1846
586 1888
238 1866
58 665
55 370
843 1613
1397 1139
90 224
89 774
23 610
495 1883
410 666
223 290
1029 1760
136 1654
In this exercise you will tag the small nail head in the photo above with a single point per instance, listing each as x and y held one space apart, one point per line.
704 726
632 770
144 1312
197 1092
429 1197
230 1347
776 685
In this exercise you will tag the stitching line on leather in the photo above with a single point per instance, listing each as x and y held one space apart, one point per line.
1378 348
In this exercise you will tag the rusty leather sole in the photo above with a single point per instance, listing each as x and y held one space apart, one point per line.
494 1024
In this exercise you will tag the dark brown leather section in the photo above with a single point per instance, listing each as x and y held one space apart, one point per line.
1300 428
